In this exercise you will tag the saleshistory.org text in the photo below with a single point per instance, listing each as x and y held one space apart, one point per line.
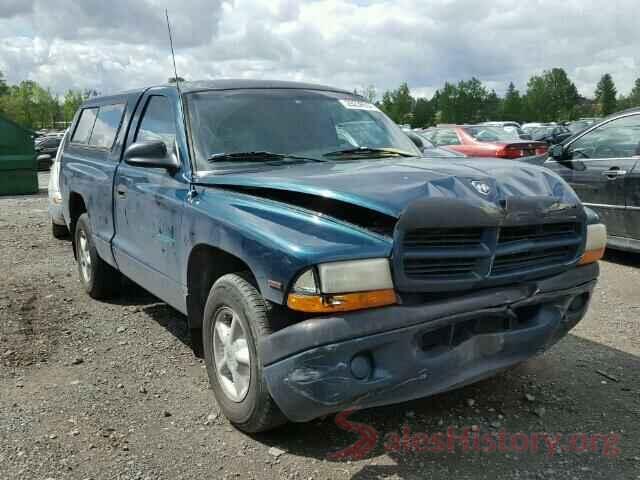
470 439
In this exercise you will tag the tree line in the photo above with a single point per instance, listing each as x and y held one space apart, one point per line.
33 106
549 97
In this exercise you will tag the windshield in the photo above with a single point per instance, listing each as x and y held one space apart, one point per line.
296 122
484 133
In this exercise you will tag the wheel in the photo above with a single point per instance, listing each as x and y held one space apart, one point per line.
59 231
235 318
99 279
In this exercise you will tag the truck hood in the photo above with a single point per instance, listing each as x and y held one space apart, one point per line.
388 186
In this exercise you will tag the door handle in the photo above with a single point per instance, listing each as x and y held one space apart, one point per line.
614 173
121 191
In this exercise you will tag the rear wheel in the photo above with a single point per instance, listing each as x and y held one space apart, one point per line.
99 279
235 319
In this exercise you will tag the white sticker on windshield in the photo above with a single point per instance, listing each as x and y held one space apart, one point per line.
358 105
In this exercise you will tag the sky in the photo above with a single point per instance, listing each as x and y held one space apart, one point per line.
114 45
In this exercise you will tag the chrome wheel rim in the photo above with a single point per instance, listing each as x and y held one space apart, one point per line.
231 354
84 256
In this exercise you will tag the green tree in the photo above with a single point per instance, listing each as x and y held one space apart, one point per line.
398 104
470 101
512 106
606 95
551 96
423 113
493 106
445 101
71 102
4 88
631 100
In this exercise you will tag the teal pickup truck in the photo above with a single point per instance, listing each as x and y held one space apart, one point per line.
321 261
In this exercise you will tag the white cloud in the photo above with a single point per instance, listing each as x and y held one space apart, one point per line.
120 44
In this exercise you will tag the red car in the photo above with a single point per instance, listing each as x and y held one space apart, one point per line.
484 141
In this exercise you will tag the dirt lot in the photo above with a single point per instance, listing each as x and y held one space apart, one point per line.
113 390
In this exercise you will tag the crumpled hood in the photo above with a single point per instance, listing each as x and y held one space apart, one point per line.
389 185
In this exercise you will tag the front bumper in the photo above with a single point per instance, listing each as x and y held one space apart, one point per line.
399 353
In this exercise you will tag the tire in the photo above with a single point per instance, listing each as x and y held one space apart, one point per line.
59 231
99 279
233 296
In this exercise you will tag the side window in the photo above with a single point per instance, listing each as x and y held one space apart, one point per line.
617 139
447 136
85 126
106 125
157 122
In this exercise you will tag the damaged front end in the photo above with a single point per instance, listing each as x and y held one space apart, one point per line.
398 353
479 289
404 288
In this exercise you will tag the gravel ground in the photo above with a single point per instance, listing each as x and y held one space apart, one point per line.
93 390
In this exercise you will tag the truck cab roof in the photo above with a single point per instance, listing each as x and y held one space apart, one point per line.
222 84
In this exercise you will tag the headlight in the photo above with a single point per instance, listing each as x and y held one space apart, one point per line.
596 243
343 286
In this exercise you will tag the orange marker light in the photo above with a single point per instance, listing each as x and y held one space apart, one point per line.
341 302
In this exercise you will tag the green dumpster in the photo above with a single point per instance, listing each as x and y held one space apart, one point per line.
18 167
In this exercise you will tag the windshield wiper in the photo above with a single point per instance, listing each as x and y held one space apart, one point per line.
369 151
257 156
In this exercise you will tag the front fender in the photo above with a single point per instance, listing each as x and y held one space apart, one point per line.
276 240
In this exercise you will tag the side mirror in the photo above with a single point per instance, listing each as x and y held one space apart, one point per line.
416 140
152 154
556 152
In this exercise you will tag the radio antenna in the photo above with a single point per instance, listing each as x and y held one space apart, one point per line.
173 55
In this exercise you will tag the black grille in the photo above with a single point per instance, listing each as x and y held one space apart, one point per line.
531 259
538 232
438 267
527 247
442 237
433 257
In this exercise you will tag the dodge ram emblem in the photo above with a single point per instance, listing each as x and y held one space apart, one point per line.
481 187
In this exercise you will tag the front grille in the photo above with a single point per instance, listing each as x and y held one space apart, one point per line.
438 267
531 259
521 248
436 258
537 232
442 237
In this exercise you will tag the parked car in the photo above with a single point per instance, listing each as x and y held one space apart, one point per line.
46 150
319 272
58 226
484 141
551 134
581 125
430 150
511 128
501 124
602 164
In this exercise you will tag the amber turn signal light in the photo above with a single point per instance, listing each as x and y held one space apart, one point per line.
595 244
345 302
591 256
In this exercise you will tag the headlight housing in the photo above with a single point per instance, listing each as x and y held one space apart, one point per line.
595 244
343 286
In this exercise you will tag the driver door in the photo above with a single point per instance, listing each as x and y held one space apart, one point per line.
148 208
597 165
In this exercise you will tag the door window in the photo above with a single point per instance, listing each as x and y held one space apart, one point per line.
85 126
446 136
106 126
157 122
619 138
